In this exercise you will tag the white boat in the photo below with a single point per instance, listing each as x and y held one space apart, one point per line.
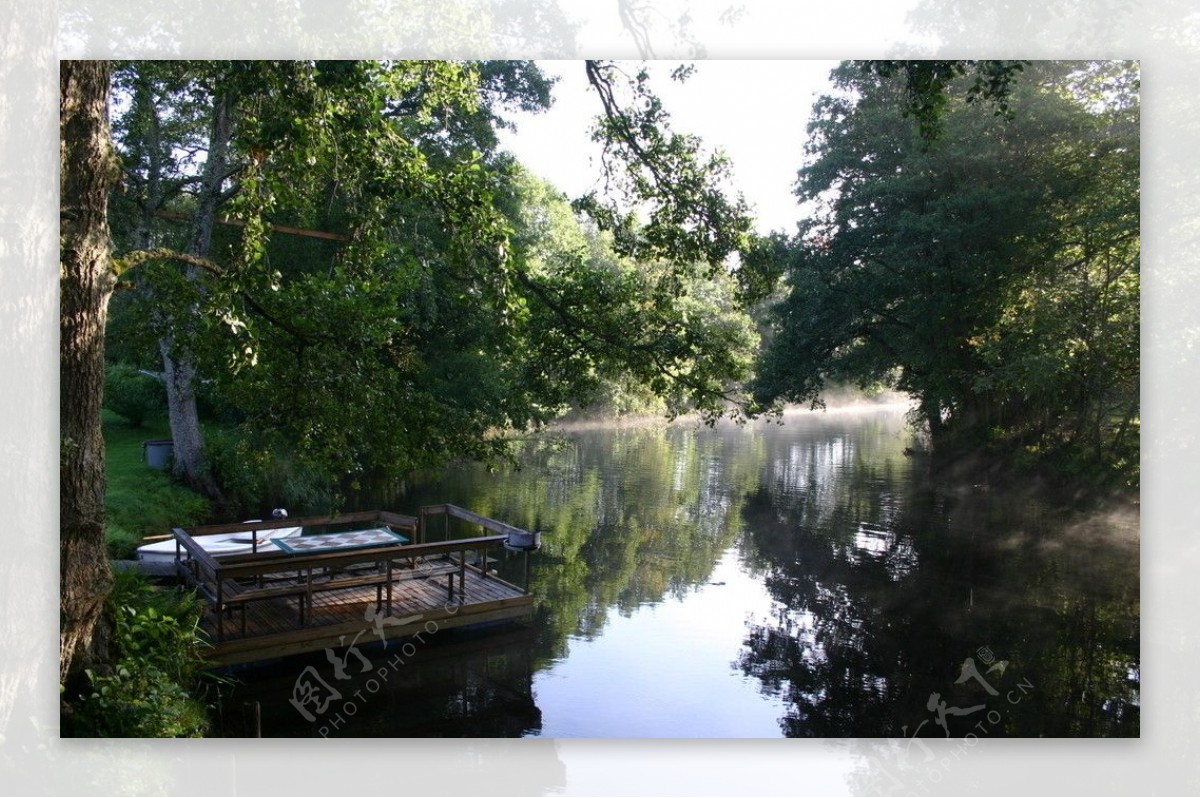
163 552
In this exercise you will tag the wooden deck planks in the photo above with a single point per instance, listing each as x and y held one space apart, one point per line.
273 626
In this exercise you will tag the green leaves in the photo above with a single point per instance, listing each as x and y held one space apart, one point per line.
649 167
428 293
976 274
133 394
609 322
156 664
927 86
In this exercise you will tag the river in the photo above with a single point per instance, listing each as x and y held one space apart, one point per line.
803 579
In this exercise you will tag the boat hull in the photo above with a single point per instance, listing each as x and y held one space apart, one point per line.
217 545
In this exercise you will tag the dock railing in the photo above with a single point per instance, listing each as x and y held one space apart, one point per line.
453 511
486 524
231 581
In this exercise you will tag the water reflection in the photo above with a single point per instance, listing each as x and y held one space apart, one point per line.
885 585
798 580
631 517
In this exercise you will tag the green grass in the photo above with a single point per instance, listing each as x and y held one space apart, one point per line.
142 500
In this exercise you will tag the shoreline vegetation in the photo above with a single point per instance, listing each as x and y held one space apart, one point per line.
141 501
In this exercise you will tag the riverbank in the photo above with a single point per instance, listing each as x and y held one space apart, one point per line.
150 682
576 422
1068 484
671 551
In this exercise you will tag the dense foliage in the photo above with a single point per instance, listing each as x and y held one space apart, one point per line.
992 274
133 394
148 689
337 260
397 290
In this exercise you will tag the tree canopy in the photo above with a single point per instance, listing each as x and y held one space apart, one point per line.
448 296
992 275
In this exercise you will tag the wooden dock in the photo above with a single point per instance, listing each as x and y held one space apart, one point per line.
272 604
341 617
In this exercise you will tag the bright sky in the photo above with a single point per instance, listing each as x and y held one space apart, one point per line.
756 111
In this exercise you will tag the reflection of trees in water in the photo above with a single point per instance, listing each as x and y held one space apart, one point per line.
885 587
630 516
835 651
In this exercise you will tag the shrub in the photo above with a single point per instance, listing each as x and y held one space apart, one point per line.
156 664
256 477
132 394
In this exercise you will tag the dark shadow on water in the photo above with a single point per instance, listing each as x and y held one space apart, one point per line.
882 600
452 684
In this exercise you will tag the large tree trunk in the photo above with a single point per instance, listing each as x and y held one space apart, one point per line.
179 366
189 465
89 170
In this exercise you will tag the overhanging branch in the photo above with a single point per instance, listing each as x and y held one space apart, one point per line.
127 262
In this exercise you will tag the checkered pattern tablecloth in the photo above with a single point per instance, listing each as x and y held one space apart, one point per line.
338 541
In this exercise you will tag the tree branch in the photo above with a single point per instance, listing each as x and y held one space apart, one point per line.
573 325
138 257
126 262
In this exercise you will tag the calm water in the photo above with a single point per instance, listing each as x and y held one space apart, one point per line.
760 581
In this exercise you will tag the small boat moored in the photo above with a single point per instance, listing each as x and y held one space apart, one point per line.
221 545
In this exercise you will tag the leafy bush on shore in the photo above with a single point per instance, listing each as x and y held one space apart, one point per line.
149 690
133 394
